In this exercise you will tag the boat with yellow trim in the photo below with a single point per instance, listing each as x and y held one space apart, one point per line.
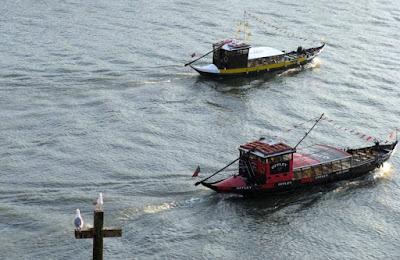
232 58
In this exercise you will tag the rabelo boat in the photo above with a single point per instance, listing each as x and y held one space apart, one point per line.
268 167
232 58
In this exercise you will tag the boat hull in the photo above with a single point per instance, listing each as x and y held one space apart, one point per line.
251 72
288 186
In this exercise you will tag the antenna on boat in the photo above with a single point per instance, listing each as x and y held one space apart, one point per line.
316 122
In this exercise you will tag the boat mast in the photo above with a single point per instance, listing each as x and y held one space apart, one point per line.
244 26
316 122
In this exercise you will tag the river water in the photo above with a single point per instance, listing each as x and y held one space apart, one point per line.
94 98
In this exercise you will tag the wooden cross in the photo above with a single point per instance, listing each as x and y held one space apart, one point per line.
98 233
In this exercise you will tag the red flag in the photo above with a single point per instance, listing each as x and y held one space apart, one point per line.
369 138
196 172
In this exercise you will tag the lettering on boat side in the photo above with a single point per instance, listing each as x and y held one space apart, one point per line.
285 183
280 167
321 176
244 188
280 164
342 171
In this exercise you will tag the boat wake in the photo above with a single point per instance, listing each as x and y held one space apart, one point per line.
384 172
153 209
315 64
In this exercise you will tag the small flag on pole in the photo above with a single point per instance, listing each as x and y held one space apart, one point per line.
196 172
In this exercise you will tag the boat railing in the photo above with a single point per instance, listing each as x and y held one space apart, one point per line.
356 162
321 169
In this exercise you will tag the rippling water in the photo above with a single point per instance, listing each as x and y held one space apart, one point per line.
94 98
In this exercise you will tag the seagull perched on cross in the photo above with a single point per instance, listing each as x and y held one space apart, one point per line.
78 221
99 202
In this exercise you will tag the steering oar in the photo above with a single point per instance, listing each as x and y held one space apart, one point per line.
197 183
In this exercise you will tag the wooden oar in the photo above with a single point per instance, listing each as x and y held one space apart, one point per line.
197 183
202 56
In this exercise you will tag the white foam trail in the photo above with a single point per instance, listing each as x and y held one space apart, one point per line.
153 209
384 172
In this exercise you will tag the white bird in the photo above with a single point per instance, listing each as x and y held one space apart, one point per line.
99 202
78 221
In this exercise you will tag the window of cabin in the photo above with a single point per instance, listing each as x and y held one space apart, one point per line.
287 157
261 160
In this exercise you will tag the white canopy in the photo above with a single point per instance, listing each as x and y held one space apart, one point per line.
259 52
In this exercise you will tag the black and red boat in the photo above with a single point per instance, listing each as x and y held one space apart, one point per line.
274 167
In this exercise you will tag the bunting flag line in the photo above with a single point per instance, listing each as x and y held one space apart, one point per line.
196 172
283 31
303 123
363 136
300 124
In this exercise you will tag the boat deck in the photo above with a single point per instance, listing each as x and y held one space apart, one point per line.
361 156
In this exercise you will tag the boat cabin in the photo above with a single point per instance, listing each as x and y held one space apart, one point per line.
230 54
266 162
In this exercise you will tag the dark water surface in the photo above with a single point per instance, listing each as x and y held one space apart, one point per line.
94 98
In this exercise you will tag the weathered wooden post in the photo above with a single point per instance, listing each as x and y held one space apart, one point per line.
98 232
